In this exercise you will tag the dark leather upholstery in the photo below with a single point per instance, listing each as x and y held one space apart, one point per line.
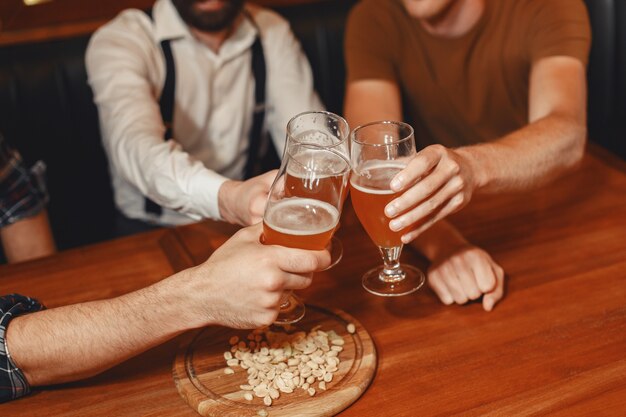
320 28
47 112
46 107
606 74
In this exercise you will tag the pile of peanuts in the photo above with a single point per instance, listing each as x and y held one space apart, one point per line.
279 362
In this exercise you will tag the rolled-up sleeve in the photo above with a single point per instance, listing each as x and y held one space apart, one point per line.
13 384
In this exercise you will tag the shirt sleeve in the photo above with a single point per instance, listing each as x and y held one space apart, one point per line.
123 68
370 43
559 28
13 384
22 191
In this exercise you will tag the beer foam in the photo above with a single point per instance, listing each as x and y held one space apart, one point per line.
367 190
377 175
302 216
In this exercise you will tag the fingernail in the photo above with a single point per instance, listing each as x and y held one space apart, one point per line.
395 225
396 183
390 210
447 300
488 305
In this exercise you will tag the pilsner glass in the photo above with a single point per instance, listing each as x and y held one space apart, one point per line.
326 130
379 151
304 206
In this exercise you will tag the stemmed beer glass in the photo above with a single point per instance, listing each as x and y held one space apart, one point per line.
304 206
379 150
326 130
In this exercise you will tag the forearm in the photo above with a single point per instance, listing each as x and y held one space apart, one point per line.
529 157
29 238
77 341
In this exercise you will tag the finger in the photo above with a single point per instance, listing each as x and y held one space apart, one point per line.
430 206
298 282
453 285
490 299
423 193
467 279
423 162
301 261
435 281
484 273
257 209
451 206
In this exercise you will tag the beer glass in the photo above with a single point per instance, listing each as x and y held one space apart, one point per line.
304 206
379 151
326 130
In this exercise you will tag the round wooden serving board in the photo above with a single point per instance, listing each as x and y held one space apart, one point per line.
200 379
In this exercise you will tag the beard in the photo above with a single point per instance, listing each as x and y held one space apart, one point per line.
208 21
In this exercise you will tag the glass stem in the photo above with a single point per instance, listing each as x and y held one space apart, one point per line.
391 258
284 300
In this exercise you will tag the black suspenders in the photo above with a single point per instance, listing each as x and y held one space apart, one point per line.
166 104
256 163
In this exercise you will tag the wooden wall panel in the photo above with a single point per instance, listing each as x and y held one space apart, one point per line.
60 18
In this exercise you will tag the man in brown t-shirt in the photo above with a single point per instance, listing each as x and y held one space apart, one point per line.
500 84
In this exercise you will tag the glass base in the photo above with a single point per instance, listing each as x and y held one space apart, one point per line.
290 311
375 282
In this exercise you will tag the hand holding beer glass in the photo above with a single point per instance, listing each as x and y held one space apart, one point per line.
379 151
304 206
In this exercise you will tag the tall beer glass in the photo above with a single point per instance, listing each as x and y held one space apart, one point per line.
379 151
304 206
326 130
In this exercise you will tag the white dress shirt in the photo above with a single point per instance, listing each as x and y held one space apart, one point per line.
214 101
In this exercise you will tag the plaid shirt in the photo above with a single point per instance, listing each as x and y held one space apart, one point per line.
13 384
22 191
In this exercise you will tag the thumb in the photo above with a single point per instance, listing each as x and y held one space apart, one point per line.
491 298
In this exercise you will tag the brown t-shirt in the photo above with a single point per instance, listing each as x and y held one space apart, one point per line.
469 89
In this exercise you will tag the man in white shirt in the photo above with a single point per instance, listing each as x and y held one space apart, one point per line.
197 174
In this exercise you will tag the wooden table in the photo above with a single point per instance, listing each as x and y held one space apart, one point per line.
555 345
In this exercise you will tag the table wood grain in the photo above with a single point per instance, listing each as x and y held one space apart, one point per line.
554 346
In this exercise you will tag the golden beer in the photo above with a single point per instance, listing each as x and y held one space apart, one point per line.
303 223
370 194
302 179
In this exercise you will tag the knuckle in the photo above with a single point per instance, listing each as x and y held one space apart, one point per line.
461 182
438 148
474 294
453 167
432 205
456 184
457 201
271 300
461 299
273 282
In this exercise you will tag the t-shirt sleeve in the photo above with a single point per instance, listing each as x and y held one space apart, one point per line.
370 43
559 28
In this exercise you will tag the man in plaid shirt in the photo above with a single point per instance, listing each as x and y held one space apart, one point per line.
24 228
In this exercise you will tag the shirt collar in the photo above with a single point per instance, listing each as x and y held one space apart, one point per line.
167 22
